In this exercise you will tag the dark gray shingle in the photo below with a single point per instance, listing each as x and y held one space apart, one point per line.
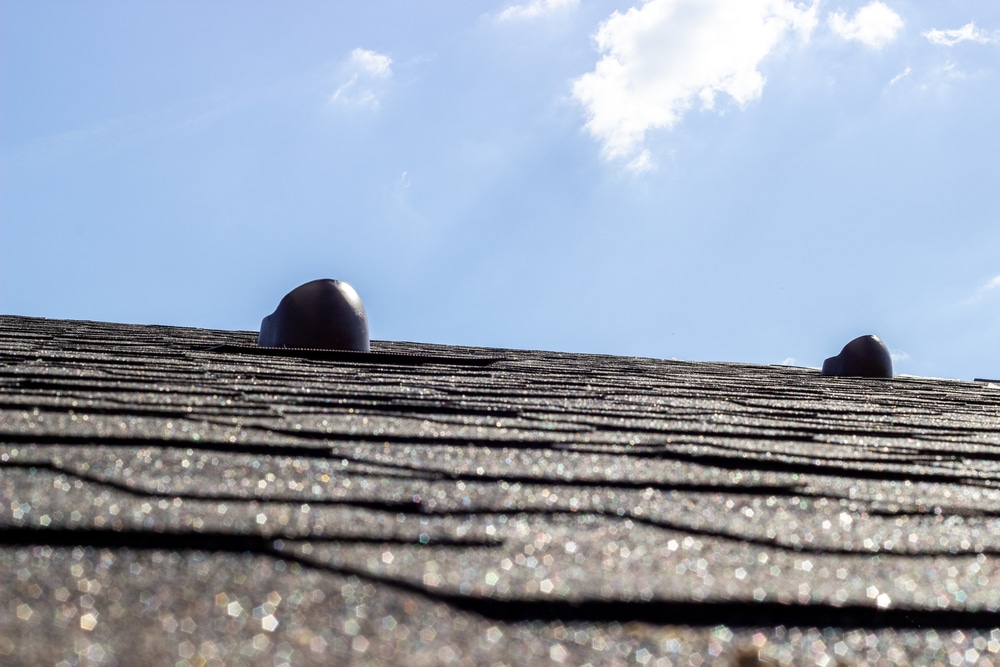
164 502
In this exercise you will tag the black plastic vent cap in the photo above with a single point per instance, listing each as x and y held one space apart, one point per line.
322 315
865 356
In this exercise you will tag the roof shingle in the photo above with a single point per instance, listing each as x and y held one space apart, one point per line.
165 501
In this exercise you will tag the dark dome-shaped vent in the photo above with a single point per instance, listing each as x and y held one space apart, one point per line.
865 356
322 314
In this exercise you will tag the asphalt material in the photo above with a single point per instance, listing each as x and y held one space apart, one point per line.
169 501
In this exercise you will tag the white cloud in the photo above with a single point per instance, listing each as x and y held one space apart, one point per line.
983 291
535 9
641 162
991 285
967 33
899 77
874 25
951 71
898 355
365 73
664 57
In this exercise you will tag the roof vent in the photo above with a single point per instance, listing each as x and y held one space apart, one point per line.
322 314
865 356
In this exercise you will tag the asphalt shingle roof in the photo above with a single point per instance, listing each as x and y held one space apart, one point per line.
167 501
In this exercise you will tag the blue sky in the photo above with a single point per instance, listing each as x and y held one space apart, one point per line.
730 180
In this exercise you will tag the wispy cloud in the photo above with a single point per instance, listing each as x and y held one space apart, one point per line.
123 134
365 73
993 284
950 71
535 9
985 290
641 162
899 77
665 57
967 33
875 25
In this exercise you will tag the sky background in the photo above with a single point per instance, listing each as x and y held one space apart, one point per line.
727 180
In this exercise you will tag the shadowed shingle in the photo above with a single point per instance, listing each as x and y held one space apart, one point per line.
166 502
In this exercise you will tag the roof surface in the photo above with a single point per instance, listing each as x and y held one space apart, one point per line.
168 503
